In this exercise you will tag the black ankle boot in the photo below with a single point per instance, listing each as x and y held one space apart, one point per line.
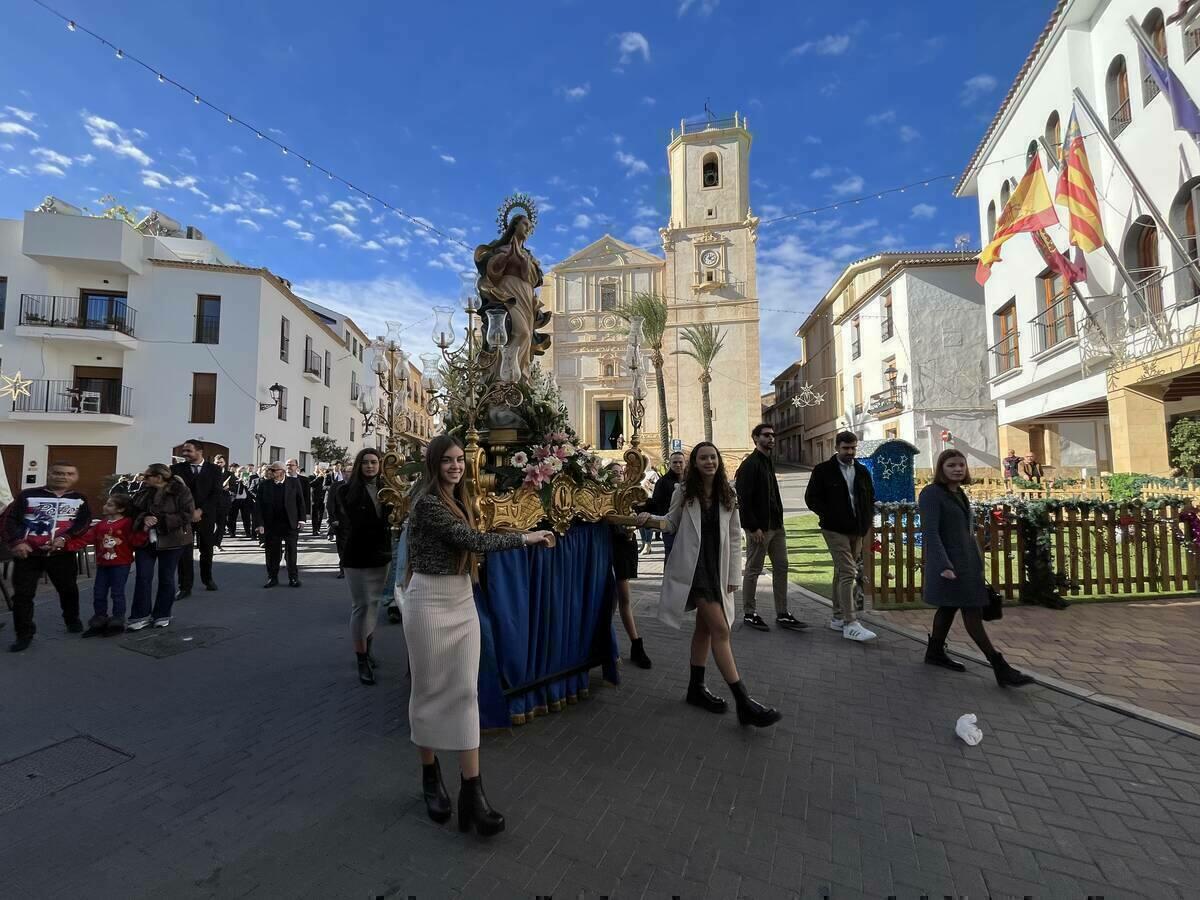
935 655
1006 675
370 655
637 655
474 809
701 696
750 711
366 674
437 801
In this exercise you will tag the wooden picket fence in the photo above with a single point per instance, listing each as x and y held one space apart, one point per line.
991 487
1132 551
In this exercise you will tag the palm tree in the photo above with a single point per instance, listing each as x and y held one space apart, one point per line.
706 341
653 310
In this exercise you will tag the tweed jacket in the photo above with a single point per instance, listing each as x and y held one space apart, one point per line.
437 539
172 506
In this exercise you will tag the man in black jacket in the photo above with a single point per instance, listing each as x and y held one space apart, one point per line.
660 501
761 510
280 503
206 482
840 492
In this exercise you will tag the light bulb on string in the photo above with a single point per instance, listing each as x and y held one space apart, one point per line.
196 98
229 119
120 53
284 149
161 80
258 135
71 25
308 164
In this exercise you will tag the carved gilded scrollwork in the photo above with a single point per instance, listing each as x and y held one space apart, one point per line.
395 490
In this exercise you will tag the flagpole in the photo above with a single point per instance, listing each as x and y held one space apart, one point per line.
1155 213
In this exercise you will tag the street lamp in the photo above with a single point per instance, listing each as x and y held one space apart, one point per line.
276 392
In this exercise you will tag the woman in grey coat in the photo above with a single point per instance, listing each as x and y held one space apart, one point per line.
953 571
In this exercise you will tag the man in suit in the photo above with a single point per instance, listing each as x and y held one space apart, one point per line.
316 490
241 502
205 481
294 472
280 503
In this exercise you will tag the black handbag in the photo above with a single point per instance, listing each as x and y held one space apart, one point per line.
995 605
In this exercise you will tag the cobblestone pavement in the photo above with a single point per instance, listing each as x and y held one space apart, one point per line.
256 765
1145 653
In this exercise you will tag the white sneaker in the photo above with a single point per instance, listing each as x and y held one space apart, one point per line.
137 624
856 632
163 623
836 624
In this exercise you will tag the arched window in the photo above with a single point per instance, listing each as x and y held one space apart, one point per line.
1184 221
608 370
991 220
1030 152
1140 252
1054 134
710 171
1005 191
1120 113
1155 29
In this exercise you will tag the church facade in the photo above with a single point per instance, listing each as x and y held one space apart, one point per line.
706 274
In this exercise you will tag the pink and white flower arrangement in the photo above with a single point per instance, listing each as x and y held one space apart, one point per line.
520 459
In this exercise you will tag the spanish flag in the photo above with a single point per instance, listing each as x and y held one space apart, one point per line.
1077 192
1028 209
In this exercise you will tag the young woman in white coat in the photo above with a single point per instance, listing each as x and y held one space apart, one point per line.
701 575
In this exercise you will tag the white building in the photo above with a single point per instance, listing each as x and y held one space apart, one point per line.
1096 394
911 366
136 342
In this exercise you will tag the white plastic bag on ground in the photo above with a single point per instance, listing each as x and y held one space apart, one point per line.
966 729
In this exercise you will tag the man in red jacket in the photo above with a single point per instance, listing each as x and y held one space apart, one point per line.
37 528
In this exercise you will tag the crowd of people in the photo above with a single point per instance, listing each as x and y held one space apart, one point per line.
159 521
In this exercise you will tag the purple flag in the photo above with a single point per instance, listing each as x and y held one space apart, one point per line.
1184 111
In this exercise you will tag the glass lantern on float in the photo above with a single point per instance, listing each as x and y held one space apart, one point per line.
496 330
431 378
470 291
637 370
443 326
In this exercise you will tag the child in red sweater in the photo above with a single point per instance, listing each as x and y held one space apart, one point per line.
114 539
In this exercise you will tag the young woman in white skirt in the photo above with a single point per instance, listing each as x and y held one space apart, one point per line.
701 574
441 627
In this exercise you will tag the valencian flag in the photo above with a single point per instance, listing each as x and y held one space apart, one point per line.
1028 209
1057 261
1077 192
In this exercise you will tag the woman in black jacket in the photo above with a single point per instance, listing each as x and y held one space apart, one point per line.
953 568
364 541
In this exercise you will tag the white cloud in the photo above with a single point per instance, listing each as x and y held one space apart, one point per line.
924 211
578 92
703 7
47 155
447 158
645 211
249 176
582 221
633 165
262 211
250 223
18 171
224 208
585 201
156 180
395 240
976 86
632 44
643 235
371 245
188 183
888 115
908 134
186 154
292 224
648 101
293 184
23 114
830 45
7 147
108 135
86 160
343 232
17 128
371 302
811 139
47 169
822 172
850 185
848 231
304 235
791 275
845 251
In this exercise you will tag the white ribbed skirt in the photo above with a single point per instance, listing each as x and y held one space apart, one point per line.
441 627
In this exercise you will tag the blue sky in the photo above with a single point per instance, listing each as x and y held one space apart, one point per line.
444 108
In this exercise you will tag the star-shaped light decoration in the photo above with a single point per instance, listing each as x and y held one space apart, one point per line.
14 386
890 467
808 397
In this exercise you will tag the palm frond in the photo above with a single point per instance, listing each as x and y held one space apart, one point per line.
653 310
706 341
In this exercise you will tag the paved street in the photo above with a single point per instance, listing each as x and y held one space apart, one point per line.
252 763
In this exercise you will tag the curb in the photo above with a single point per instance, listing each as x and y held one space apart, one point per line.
1125 708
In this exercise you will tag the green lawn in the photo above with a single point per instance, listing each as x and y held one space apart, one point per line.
808 557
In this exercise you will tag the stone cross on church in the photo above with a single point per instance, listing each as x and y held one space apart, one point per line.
706 274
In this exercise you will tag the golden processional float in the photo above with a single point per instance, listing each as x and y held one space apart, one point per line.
524 464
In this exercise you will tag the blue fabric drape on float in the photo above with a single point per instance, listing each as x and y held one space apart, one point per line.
539 613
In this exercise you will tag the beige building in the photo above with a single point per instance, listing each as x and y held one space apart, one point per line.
707 274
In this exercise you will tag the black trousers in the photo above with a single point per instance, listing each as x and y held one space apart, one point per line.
205 539
318 514
277 544
244 509
62 569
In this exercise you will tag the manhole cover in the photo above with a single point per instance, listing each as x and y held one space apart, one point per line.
53 768
163 642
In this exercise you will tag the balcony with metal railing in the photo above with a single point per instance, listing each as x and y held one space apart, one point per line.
1120 119
1150 88
1149 295
887 403
107 321
1006 354
1054 326
312 366
80 401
